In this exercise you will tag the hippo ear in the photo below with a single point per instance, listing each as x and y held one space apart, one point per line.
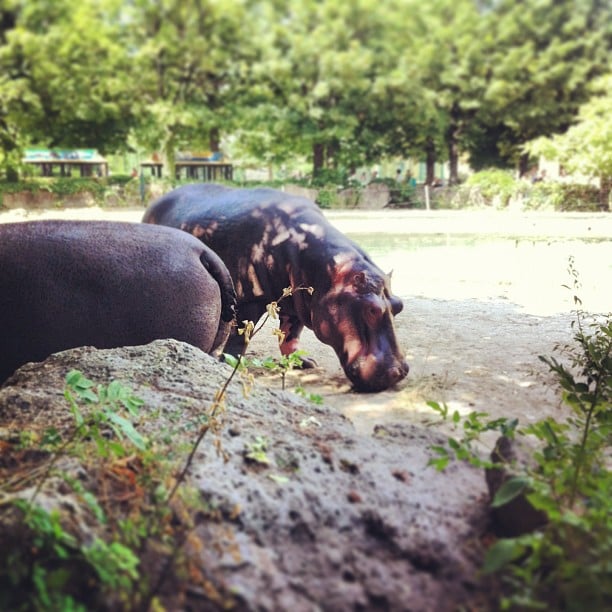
396 304
359 281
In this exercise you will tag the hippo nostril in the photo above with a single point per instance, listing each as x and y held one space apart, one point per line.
352 369
395 374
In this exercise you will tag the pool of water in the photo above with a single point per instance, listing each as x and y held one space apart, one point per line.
458 255
530 272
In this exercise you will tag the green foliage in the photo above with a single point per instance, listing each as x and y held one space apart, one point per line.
101 189
493 183
338 84
496 188
473 426
566 564
327 197
61 83
328 177
315 398
110 401
115 564
275 365
534 48
564 197
593 126
256 450
50 568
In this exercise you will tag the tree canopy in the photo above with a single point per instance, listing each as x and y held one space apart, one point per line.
586 147
338 83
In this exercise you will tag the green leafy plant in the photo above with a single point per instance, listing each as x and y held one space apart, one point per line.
327 196
52 569
567 563
276 365
256 450
474 425
111 401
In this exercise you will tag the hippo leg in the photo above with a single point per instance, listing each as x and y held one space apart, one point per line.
292 327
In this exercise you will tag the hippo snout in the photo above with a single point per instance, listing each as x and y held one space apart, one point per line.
367 379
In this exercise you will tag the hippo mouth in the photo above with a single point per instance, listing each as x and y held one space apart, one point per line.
370 375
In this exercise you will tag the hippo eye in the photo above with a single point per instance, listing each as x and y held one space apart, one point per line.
373 312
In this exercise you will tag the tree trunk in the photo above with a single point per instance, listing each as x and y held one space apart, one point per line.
332 150
430 162
452 142
214 140
453 155
523 165
169 153
318 157
605 186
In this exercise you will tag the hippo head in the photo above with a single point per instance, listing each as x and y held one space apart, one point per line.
355 317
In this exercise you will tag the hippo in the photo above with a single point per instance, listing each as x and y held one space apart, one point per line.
65 284
269 241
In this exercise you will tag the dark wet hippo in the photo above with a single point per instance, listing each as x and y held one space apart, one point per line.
269 241
65 284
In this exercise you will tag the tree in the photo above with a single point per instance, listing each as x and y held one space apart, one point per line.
543 57
586 147
61 84
456 36
317 75
189 58
437 82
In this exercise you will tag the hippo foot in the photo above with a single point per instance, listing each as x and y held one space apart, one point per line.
308 363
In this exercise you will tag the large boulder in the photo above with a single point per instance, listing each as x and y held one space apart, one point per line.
333 521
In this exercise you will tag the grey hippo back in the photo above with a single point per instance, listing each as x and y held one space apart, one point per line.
65 284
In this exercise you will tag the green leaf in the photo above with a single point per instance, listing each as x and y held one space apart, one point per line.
124 427
441 409
230 359
501 554
77 380
513 487
438 464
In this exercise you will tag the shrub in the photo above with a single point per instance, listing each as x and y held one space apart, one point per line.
565 197
566 563
494 186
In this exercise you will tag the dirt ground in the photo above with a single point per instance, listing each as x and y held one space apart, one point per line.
474 320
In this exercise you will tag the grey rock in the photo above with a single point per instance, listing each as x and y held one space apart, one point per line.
358 522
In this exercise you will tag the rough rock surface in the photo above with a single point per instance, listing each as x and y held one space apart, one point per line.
359 522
